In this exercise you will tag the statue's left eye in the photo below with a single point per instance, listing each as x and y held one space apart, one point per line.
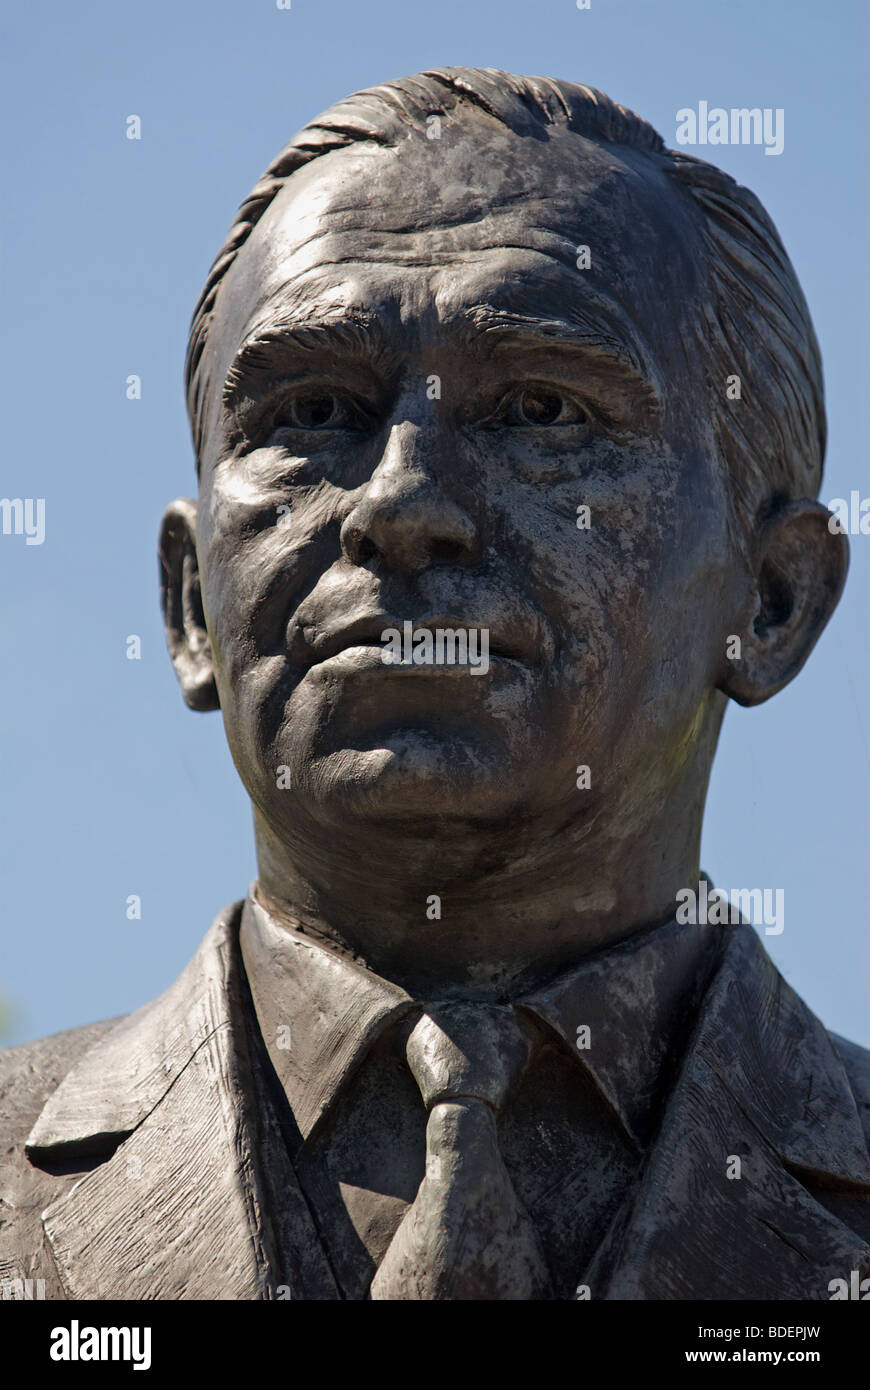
537 406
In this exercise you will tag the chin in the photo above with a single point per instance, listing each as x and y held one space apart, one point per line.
411 773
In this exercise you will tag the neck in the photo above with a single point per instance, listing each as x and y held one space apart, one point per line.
486 911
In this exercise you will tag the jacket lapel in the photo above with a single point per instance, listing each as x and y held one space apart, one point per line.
762 1084
181 1208
191 1168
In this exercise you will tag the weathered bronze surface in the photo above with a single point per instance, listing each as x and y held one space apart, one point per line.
480 356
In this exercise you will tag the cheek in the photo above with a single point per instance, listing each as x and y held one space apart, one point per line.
263 551
631 572
602 545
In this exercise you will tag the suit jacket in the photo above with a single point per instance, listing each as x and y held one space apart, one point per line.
141 1158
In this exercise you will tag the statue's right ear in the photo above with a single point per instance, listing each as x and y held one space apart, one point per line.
181 600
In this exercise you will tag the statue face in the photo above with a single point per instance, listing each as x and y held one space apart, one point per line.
419 393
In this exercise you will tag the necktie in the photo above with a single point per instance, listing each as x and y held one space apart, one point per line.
466 1235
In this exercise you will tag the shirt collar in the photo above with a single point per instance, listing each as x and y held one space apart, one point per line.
622 1012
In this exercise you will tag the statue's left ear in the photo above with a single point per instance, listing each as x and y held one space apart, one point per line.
181 600
800 569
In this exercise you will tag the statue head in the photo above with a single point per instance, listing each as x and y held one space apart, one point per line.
480 355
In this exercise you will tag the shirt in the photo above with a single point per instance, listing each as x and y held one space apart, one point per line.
609 1032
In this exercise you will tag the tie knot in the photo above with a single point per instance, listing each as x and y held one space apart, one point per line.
463 1049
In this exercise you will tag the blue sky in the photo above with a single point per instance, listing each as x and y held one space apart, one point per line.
110 786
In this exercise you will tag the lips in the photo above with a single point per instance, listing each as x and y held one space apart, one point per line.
522 643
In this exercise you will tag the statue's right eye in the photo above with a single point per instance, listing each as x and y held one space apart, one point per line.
319 409
313 411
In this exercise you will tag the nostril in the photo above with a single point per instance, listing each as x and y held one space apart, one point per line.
446 552
365 550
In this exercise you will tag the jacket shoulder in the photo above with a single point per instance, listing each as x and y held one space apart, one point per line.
856 1061
30 1072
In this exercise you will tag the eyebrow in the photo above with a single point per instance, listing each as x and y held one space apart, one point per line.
360 334
585 334
355 334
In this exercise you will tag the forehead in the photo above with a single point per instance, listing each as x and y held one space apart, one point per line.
417 233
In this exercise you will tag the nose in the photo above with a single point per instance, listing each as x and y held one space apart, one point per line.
406 517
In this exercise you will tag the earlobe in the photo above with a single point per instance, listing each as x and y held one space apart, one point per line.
181 601
800 572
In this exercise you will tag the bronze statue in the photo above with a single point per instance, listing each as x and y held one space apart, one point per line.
509 426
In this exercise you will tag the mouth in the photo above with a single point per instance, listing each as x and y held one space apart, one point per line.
383 640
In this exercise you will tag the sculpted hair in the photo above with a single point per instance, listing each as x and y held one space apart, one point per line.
755 324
